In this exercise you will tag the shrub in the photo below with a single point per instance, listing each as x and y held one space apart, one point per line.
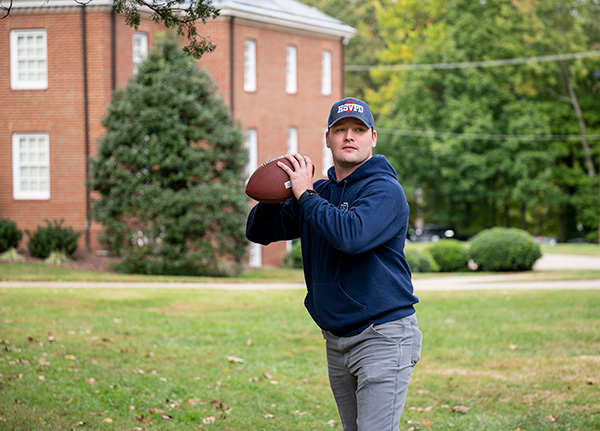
421 261
9 235
451 255
293 258
52 237
504 249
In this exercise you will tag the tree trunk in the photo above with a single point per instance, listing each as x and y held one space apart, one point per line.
591 170
566 75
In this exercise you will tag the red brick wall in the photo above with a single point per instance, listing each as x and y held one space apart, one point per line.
59 109
272 111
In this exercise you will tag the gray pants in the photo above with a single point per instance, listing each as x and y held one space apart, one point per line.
369 373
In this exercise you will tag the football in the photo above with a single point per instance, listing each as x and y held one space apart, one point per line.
269 183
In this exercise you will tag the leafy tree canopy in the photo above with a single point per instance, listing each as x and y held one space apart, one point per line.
170 171
181 15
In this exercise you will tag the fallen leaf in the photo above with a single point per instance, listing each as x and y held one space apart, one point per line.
426 423
142 419
209 420
91 381
269 416
108 420
139 371
51 337
552 418
460 409
513 346
42 378
249 342
232 358
167 417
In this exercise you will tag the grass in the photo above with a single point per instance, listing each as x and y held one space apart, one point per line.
16 271
44 272
152 359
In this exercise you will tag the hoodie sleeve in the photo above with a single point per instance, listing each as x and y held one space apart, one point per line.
375 216
268 223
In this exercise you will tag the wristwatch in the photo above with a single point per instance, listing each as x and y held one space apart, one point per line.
308 192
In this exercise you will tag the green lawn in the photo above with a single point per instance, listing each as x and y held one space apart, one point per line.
152 359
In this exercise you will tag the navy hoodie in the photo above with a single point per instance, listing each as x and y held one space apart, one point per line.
353 235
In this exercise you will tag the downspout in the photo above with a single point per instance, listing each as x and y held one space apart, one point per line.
86 122
231 65
343 80
114 49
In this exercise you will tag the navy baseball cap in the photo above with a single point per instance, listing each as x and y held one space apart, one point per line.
351 107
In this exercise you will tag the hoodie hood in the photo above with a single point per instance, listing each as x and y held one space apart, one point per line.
376 165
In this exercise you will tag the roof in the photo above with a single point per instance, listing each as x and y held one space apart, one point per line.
285 13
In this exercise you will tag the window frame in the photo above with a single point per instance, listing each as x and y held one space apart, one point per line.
250 73
18 164
251 145
15 60
291 69
326 73
138 56
292 140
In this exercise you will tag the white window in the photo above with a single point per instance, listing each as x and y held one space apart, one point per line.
139 50
31 166
326 73
327 161
292 140
290 70
249 65
28 59
255 255
251 145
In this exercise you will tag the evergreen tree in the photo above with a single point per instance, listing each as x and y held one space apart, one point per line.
169 172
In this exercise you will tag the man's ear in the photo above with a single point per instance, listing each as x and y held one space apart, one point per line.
327 139
374 138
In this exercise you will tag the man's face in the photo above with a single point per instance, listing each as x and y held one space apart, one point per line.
351 143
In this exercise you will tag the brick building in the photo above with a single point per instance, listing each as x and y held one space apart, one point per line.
278 65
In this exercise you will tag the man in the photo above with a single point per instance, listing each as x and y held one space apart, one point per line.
353 229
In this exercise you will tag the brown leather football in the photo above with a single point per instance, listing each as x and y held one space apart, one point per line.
269 183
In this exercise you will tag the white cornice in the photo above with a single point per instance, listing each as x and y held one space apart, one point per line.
330 27
28 4
323 25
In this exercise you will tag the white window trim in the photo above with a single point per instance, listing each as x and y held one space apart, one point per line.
291 69
327 158
139 49
251 144
292 140
16 83
326 73
249 65
255 255
18 193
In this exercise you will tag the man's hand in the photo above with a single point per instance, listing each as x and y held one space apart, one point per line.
301 176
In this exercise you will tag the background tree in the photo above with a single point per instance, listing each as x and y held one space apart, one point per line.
479 166
362 48
180 15
169 171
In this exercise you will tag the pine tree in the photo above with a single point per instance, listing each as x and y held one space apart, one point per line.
169 172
